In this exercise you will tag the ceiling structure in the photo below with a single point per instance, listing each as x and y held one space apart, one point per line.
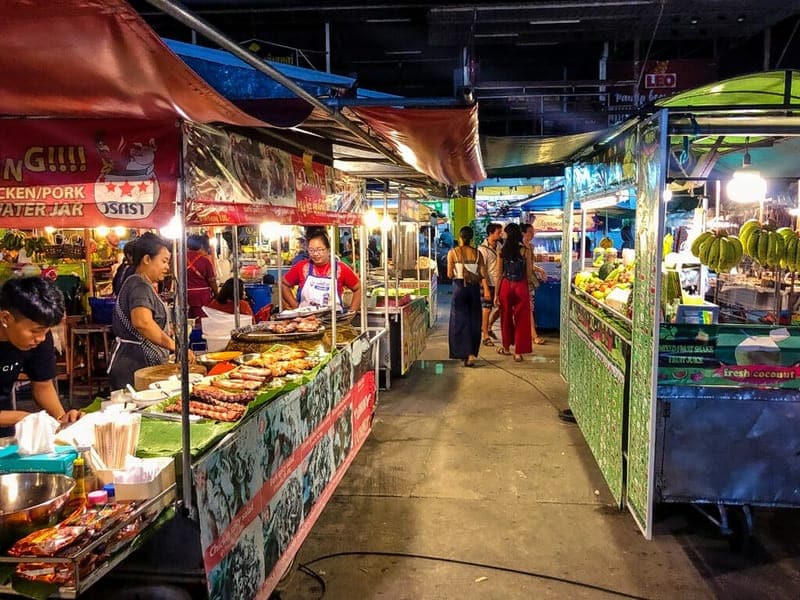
534 67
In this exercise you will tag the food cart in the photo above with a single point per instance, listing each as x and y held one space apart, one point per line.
697 402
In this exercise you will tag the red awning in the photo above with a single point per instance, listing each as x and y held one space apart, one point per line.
98 58
442 143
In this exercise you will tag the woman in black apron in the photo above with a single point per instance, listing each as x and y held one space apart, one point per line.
141 319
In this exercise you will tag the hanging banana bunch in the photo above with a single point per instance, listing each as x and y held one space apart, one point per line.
769 246
717 250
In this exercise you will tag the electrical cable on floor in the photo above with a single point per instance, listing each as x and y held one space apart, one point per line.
304 567
316 576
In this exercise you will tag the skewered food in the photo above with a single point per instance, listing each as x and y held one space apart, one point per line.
211 394
219 411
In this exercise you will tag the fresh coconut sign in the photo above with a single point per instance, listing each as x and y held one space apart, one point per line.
761 356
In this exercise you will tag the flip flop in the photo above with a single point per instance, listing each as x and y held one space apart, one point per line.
517 358
539 341
503 351
488 342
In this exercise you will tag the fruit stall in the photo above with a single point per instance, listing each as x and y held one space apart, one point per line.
692 335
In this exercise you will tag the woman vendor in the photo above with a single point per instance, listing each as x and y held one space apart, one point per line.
141 321
29 308
201 280
312 277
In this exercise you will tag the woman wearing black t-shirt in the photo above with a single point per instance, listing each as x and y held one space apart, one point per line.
29 307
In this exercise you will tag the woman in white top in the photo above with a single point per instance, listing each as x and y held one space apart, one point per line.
466 268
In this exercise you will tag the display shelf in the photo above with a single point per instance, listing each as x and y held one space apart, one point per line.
624 331
149 511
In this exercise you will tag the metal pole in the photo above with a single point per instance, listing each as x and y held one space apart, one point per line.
182 346
334 287
279 278
236 279
327 46
362 273
184 16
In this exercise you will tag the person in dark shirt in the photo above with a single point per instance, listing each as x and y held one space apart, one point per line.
29 308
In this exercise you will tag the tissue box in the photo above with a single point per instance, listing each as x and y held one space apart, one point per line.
145 490
59 461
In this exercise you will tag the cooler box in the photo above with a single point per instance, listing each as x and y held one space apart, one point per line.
260 295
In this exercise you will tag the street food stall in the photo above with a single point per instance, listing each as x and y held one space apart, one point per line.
681 356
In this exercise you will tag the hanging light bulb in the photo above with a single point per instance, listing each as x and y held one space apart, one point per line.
747 185
387 223
371 219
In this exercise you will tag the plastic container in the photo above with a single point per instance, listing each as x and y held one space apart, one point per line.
111 493
214 343
102 310
260 294
98 498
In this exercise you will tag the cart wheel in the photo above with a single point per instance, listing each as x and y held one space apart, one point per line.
741 539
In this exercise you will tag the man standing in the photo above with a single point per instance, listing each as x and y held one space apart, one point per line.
489 251
538 273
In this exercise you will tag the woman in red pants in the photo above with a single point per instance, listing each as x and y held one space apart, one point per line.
512 296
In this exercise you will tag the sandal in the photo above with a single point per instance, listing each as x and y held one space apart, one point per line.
539 341
517 358
493 335
503 351
469 363
488 342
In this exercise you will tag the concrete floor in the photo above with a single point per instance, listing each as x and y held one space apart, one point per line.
474 466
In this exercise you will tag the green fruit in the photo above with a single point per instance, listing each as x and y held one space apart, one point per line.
713 253
791 251
738 250
725 256
747 230
751 249
780 249
705 247
763 247
698 241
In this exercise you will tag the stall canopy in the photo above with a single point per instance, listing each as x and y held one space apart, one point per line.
441 143
99 59
534 156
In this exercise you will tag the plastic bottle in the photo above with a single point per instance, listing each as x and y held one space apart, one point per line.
90 482
111 492
78 494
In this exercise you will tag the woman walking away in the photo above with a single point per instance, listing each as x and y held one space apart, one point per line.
512 295
467 270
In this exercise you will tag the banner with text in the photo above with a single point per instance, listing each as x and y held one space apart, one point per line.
744 355
235 180
87 172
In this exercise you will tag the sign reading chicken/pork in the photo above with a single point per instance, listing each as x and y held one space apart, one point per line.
84 173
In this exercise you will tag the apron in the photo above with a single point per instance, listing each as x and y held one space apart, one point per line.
316 290
153 354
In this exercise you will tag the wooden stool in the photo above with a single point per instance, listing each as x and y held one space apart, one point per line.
85 332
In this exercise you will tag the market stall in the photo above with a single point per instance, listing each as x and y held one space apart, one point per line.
693 351
404 291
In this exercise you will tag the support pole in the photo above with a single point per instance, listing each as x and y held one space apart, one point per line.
236 279
182 347
334 295
279 278
362 273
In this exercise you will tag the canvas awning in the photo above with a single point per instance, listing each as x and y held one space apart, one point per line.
99 59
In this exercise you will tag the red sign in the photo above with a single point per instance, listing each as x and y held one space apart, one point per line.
660 80
85 173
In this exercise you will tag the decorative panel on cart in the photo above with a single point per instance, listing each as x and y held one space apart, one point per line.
597 399
764 356
85 172
234 179
261 490
646 319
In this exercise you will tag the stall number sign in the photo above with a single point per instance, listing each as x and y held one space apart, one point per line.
660 80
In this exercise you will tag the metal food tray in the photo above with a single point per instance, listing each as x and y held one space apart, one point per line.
255 336
150 509
293 314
